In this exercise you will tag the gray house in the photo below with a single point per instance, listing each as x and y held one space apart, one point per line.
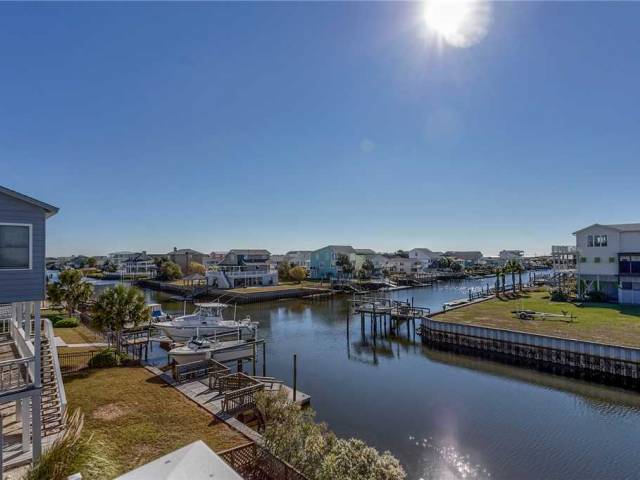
30 389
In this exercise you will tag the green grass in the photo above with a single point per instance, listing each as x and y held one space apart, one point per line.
140 417
79 334
594 322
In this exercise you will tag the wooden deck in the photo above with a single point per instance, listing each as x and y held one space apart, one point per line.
212 400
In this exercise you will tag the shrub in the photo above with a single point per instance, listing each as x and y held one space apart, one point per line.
107 358
559 296
67 323
72 453
597 297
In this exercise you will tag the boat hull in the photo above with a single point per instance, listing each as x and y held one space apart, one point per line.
224 354
183 333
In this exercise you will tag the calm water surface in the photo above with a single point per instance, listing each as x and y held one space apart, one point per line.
446 416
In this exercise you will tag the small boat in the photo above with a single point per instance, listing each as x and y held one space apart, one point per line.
456 303
198 349
157 315
207 321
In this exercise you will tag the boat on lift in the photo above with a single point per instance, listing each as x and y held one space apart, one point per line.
206 321
198 349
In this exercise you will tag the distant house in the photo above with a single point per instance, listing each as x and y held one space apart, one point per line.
506 255
403 265
468 258
213 259
184 256
323 261
609 261
243 268
139 264
299 258
425 256
277 260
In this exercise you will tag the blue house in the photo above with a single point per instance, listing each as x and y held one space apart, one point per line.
31 389
323 261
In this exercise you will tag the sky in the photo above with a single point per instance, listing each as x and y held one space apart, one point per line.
291 126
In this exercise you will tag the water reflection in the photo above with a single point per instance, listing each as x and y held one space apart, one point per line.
468 417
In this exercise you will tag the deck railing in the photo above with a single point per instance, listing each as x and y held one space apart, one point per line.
235 381
235 401
16 374
190 371
252 461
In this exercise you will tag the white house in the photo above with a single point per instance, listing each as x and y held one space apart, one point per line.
609 261
425 256
506 255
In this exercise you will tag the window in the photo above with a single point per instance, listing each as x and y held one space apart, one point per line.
600 241
15 247
612 259
583 259
596 260
590 241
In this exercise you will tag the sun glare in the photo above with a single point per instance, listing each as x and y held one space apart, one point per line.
460 23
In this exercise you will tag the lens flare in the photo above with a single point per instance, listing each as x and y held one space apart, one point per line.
460 23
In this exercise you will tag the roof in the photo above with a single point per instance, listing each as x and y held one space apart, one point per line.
620 227
422 250
463 255
340 248
250 252
50 210
183 251
196 461
297 252
364 251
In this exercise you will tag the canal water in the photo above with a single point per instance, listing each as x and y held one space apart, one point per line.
445 416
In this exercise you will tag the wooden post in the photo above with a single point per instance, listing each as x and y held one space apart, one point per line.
253 359
264 359
295 376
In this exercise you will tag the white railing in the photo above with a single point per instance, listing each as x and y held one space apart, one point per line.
16 374
48 331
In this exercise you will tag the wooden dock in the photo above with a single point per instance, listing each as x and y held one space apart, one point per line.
385 315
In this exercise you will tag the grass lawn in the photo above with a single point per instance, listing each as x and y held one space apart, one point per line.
595 322
142 418
79 334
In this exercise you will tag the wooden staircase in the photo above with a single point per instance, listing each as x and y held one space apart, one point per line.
52 421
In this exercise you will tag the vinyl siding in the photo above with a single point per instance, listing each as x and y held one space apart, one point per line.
24 285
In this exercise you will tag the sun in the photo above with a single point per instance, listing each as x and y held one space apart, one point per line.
460 23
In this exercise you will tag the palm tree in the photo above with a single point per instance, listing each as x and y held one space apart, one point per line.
498 272
71 291
513 267
120 307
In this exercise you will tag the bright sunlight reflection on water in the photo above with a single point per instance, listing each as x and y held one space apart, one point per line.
453 465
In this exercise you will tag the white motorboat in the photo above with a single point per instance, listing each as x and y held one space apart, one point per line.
199 349
206 321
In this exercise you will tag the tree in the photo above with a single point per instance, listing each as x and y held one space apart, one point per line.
170 271
195 267
292 434
455 266
355 460
513 266
70 291
92 262
120 307
366 271
283 270
402 253
109 266
298 274
345 264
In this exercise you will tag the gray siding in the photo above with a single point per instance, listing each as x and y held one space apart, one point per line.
24 285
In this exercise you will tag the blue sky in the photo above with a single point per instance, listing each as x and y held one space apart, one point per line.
294 125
